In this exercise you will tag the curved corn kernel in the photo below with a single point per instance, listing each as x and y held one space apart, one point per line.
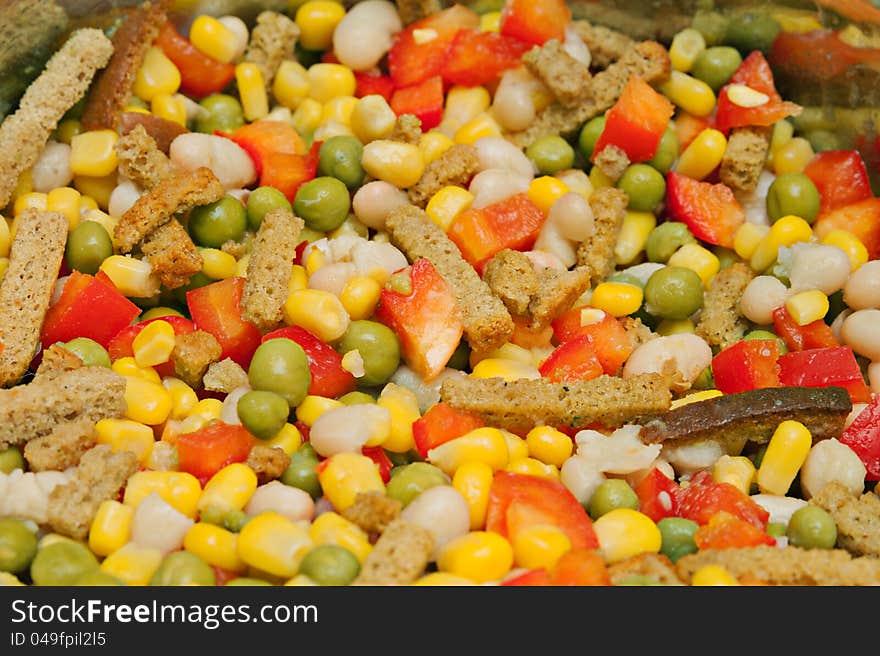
792 157
599 179
328 81
786 231
274 544
153 344
713 575
783 131
65 200
479 556
397 163
549 445
215 545
170 107
623 533
690 94
86 204
490 21
703 154
747 237
546 190
686 46
146 401
372 118
447 204
360 296
208 409
743 95
441 578
434 143
403 405
786 452
313 406
110 529
482 125
291 84
617 298
288 439
126 366
132 277
344 475
332 528
230 488
532 467
473 479
157 74
504 368
315 259
92 153
213 38
216 264
675 327
539 546
739 471
517 448
5 238
633 235
126 435
158 312
299 279
180 490
133 564
319 312
462 105
807 307
307 116
507 352
317 19
99 188
339 109
251 91
693 397
698 259
486 445
849 244
32 200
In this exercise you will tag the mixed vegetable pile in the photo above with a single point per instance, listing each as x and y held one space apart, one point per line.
347 385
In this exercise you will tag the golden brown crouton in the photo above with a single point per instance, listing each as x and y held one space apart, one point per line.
273 39
399 556
612 161
407 128
557 292
62 448
857 518
373 511
456 166
413 10
26 288
171 252
140 159
268 462
192 354
162 130
720 321
654 566
597 251
62 83
511 276
564 75
606 45
744 157
637 332
224 376
57 360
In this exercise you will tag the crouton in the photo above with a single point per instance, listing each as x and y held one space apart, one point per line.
637 331
224 376
511 276
26 288
171 252
57 360
268 462
651 565
597 251
140 159
273 39
192 354
744 157
62 448
399 556
606 45
456 166
857 518
564 75
412 10
612 161
407 128
162 130
720 321
373 511
557 292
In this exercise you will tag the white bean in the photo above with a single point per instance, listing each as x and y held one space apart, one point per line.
581 478
575 46
122 198
229 410
373 202
859 331
369 257
781 508
513 106
228 161
240 32
577 181
762 295
427 393
443 511
499 153
290 502
332 277
573 216
862 289
874 377
837 324
818 266
684 354
832 461
494 185
689 458
551 242
755 202
622 452
365 34
52 169
346 429
158 525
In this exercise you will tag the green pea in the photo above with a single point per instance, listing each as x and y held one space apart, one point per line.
11 459
550 154
263 413
89 351
611 494
677 537
329 564
378 346
674 292
589 135
300 473
766 334
355 398
322 203
667 238
340 157
644 185
667 152
793 193
280 365
18 546
244 581
812 527
409 481
822 140
726 256
95 577
263 200
235 519
88 244
750 31
183 568
776 529
224 114
639 579
712 25
461 356
716 65
214 224
61 563
212 514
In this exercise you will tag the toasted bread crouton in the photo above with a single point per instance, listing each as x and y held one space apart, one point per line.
511 276
399 556
597 251
62 448
158 206
268 462
171 252
269 268
606 45
224 376
192 354
112 90
162 130
557 292
373 511
100 475
651 565
487 323
57 360
564 75
525 403
140 159
39 407
612 161
456 166
412 10
407 128
637 331
720 321
273 39
857 518
64 80
26 288
744 157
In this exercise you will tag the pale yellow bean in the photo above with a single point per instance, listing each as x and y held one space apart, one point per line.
832 461
859 331
762 295
373 202
862 289
365 34
494 185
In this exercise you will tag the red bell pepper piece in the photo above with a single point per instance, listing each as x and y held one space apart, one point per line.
608 338
373 84
636 122
863 437
535 21
329 379
411 62
423 100
206 451
703 498
834 366
841 178
477 58
821 53
427 321
216 308
440 424
725 531
754 72
747 365
383 462
200 75
710 211
580 567
687 127
658 495
90 306
121 344
287 172
514 223
816 334
533 577
861 219
572 360
265 136
520 501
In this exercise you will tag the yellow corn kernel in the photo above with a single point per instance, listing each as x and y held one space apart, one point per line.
92 153
146 401
251 91
215 545
783 131
849 244
617 298
31 200
794 20
241 265
307 116
333 528
539 546
807 307
133 277
693 397
87 204
434 143
532 467
739 471
313 407
482 125
230 488
447 204
99 188
490 21
786 452
288 439
126 435
291 84
675 327
698 259
517 449
786 231
5 238
274 544
703 154
52 538
713 575
360 296
102 218
479 556
157 74
599 179
473 479
210 409
317 19
299 279
792 157
690 94
397 163
111 527
315 259
67 129
328 81
487 445
686 46
403 404
126 366
546 190
549 445
170 107
339 110
216 264
344 475
132 564
159 311
633 235
180 490
163 455
438 579
462 105
504 368
213 38
153 344
299 580
747 237
623 533
508 351
372 118
319 312
183 397
66 201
